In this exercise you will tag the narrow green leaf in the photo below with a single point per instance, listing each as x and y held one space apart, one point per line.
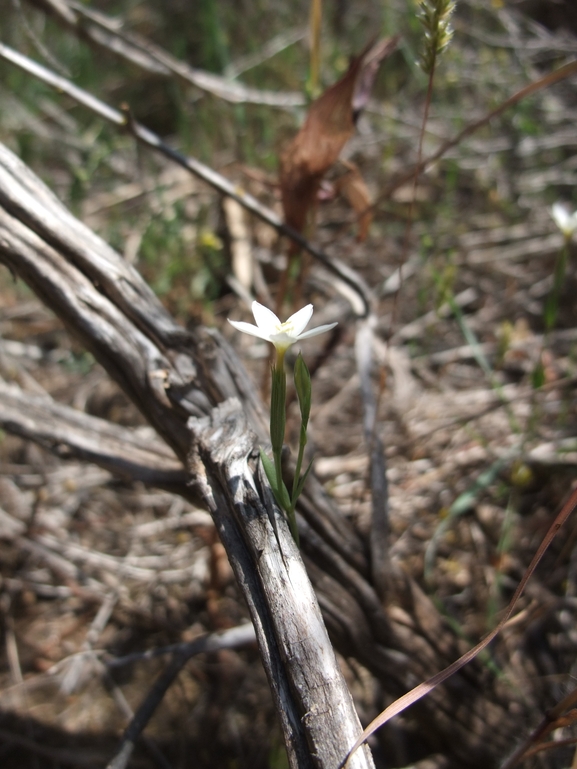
277 408
302 379
302 481
283 498
269 470
280 494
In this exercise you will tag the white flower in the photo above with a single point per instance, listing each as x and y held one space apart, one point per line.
566 222
282 335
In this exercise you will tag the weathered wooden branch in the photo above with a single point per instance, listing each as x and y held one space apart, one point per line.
71 433
189 387
193 390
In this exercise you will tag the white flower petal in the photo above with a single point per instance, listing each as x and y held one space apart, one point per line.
567 222
248 328
282 335
560 215
298 322
317 330
265 318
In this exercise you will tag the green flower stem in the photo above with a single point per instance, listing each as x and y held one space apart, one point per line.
303 387
302 444
278 415
278 403
292 520
552 302
277 431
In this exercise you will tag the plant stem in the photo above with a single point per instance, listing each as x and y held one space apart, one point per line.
552 304
315 43
278 413
298 468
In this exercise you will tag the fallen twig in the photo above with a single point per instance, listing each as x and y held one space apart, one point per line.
109 34
229 639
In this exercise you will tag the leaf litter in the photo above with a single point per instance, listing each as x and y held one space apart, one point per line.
78 537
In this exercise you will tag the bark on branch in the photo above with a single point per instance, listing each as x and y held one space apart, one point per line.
68 432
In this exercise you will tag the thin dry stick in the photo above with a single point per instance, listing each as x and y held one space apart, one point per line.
73 677
110 34
65 430
123 705
379 538
548 723
207 643
544 82
230 639
552 744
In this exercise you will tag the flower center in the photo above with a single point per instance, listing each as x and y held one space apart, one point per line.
285 328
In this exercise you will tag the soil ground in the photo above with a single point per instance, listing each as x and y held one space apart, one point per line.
476 409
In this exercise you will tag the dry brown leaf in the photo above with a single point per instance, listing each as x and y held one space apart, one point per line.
352 186
329 124
373 56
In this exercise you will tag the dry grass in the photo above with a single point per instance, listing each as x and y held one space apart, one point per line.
94 568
